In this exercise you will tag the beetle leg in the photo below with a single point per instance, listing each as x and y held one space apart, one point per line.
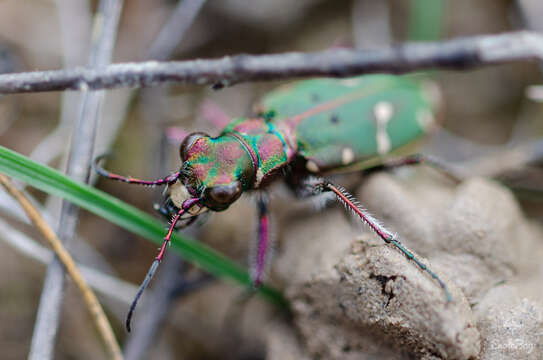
416 159
261 252
317 186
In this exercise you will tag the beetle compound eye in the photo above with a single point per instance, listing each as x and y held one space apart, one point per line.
189 141
225 194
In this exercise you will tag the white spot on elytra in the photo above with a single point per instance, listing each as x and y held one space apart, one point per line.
383 112
425 118
312 166
347 156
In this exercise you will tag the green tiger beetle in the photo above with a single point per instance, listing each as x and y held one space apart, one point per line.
301 132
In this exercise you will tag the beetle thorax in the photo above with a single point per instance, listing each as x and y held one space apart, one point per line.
268 145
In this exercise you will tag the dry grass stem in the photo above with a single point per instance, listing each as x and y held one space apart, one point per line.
98 315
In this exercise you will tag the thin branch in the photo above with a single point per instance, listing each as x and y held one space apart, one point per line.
98 315
75 24
103 283
160 48
530 13
104 34
458 53
80 249
115 292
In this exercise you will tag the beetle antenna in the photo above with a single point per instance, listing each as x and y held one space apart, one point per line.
170 179
152 270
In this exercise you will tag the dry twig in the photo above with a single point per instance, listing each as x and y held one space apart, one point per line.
115 290
98 315
461 53
47 320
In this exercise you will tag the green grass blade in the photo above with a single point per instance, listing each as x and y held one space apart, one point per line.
124 215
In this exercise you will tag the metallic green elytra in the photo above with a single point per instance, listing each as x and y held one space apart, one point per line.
338 123
328 124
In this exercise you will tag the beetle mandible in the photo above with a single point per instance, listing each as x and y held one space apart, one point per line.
309 128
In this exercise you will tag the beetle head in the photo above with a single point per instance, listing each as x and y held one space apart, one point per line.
215 170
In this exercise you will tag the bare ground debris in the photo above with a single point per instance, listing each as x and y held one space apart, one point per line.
356 298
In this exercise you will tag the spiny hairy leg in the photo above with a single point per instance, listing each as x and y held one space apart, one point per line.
316 186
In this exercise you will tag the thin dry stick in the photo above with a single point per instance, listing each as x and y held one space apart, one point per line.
98 315
75 24
106 22
115 290
461 53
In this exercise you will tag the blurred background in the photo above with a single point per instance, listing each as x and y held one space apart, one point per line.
485 111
